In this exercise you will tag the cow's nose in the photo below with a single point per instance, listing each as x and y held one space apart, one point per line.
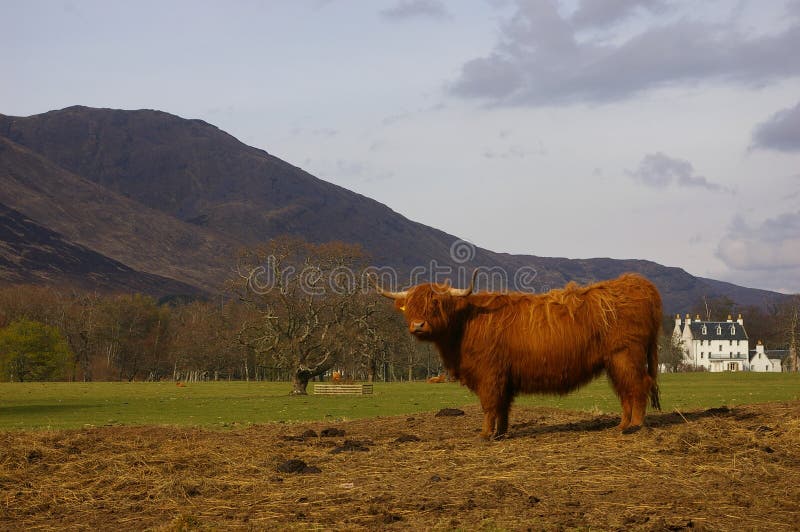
417 326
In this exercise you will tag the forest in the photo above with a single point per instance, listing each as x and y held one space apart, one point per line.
291 311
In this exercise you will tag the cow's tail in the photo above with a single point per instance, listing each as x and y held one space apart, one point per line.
652 370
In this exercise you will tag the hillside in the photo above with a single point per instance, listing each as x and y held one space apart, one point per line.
110 223
176 198
32 254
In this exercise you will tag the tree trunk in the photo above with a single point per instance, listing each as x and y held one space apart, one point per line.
300 381
793 361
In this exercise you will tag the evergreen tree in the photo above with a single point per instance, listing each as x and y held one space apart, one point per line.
33 351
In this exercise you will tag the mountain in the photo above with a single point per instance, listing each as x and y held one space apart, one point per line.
110 223
176 198
32 254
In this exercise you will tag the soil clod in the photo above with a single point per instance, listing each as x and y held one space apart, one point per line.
297 466
445 412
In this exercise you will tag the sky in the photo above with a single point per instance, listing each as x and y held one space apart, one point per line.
664 130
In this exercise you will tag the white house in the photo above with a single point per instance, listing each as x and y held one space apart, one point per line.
713 345
763 360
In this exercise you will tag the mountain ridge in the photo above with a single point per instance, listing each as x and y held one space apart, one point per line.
188 194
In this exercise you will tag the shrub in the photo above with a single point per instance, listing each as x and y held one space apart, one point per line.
33 351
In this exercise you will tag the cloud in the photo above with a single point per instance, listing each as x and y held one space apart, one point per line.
515 151
659 170
357 171
395 118
780 132
512 152
539 60
772 247
322 132
408 9
591 13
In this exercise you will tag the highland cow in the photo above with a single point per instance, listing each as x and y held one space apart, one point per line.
503 344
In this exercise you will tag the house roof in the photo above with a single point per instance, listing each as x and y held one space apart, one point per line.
777 354
728 330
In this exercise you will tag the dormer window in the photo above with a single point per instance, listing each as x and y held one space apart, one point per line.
719 330
705 331
733 330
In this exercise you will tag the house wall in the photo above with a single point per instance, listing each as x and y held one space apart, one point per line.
711 354
761 362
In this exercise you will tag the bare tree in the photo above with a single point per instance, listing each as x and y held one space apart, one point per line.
304 296
791 312
715 308
670 352
133 330
78 322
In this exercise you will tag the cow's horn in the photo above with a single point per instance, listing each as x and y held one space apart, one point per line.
461 292
389 294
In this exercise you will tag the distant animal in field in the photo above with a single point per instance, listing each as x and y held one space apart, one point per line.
180 385
336 377
437 379
503 344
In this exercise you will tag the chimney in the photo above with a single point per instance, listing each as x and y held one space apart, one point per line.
697 318
688 320
740 320
759 348
730 318
677 320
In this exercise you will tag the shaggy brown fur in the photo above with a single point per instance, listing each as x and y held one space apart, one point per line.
500 345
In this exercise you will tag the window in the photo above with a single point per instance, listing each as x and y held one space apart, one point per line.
704 330
720 347
719 330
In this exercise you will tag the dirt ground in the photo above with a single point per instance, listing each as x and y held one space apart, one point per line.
718 469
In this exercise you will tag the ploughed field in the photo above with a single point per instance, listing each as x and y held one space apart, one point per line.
725 468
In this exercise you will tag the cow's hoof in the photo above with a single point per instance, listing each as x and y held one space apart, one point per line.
498 437
632 429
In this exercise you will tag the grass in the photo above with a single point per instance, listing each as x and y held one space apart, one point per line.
230 404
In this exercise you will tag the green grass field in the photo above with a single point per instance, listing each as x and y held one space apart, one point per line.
232 404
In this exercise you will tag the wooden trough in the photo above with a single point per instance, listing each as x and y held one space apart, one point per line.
342 389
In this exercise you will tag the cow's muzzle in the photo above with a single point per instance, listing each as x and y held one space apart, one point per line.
419 328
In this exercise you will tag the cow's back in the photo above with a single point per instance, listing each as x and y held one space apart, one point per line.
555 342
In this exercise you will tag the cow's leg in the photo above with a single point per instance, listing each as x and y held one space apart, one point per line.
488 403
503 407
502 421
496 400
640 400
489 421
629 376
491 402
626 412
